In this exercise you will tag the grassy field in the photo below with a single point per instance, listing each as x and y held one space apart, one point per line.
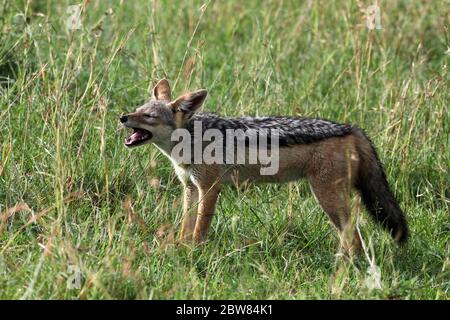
75 204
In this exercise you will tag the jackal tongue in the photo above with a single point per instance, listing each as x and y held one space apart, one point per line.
138 135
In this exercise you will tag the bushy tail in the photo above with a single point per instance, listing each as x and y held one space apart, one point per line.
375 191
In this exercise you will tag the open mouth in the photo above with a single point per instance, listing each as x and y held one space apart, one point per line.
138 137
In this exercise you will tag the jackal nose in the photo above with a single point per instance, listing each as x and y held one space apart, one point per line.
123 119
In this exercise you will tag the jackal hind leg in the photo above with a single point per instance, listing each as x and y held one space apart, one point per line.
190 207
208 198
333 196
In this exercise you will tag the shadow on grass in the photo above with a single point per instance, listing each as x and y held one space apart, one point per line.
417 261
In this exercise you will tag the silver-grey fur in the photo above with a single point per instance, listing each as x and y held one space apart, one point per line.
292 130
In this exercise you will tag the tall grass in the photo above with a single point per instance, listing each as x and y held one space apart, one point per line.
73 198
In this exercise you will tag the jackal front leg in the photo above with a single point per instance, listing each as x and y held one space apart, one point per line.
190 208
208 198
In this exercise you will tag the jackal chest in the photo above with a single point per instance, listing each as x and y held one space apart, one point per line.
183 172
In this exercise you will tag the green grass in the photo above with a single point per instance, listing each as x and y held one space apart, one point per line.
63 161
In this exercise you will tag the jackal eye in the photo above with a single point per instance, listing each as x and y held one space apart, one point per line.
150 115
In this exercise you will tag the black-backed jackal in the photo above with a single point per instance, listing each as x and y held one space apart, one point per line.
334 158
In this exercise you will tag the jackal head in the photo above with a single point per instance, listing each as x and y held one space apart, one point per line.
157 119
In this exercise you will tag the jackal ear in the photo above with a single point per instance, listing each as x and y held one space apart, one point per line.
161 91
190 102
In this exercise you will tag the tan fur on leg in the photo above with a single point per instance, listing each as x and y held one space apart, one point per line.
190 207
208 199
332 190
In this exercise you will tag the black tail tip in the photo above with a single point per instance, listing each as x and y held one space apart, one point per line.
401 235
